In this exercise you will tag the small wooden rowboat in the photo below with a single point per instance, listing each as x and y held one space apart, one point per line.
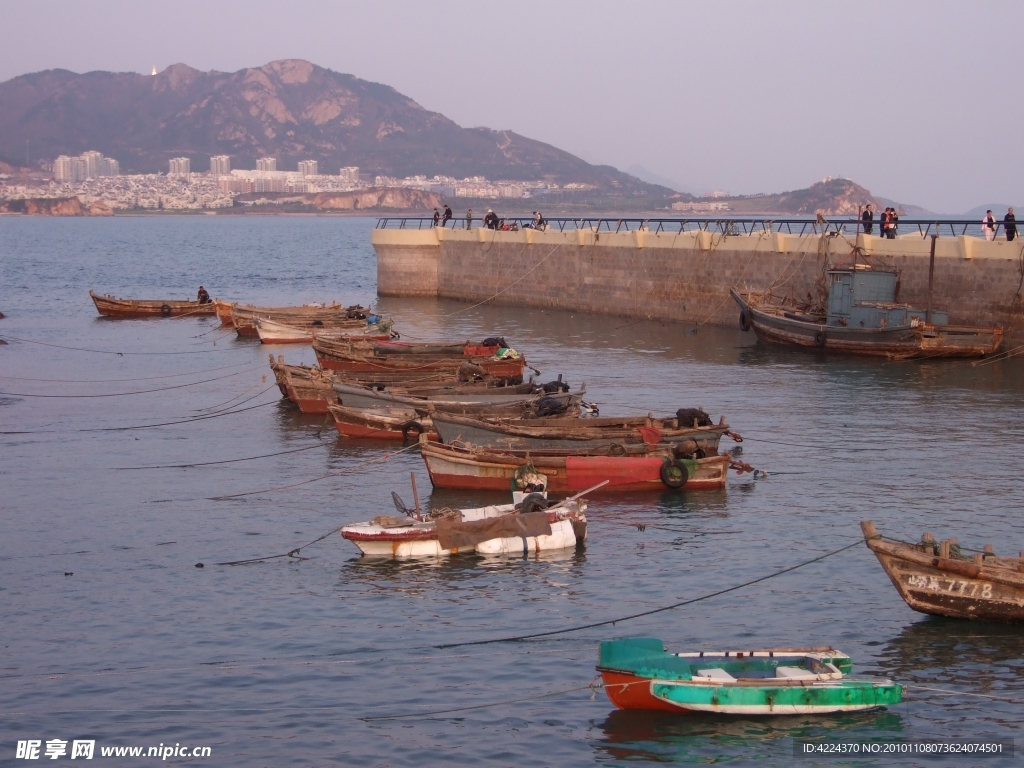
310 388
639 674
497 400
223 309
934 577
350 358
507 529
656 469
381 423
110 306
243 317
583 434
275 332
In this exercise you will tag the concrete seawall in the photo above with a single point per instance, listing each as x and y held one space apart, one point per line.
686 277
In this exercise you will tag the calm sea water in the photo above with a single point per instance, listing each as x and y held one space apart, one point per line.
110 632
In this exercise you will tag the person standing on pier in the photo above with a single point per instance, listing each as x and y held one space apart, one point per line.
469 219
988 226
437 217
447 216
1010 225
894 221
867 218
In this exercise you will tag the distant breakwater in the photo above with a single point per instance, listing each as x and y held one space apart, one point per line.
686 277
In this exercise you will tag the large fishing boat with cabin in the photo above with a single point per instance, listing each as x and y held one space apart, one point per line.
861 315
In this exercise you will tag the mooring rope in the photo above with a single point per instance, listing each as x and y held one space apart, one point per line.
606 622
120 354
117 381
340 472
140 391
224 461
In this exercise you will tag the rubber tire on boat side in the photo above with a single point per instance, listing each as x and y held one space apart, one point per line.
410 426
819 338
679 474
165 310
744 320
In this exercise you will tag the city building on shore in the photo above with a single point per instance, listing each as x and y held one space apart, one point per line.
180 166
220 165
266 164
88 165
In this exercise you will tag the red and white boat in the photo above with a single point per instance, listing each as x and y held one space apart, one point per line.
521 529
647 468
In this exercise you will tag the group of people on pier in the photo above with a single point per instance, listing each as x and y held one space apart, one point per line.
887 222
490 221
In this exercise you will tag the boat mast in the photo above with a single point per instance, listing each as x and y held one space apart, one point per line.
931 277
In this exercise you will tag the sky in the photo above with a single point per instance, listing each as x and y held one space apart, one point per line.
920 102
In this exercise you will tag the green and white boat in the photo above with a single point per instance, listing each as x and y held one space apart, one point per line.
639 673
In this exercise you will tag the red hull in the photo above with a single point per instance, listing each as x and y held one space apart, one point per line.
630 692
312 405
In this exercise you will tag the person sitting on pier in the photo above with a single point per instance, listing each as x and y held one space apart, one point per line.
491 219
868 218
1010 225
437 217
447 216
203 297
542 223
988 226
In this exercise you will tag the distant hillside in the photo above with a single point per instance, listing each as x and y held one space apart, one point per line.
292 110
833 197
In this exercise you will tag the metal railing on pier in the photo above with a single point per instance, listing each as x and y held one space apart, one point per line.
718 225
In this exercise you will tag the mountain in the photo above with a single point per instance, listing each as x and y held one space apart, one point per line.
998 211
651 177
291 109
831 197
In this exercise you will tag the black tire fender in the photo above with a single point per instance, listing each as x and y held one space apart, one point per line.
616 449
744 320
411 427
674 474
165 310
819 338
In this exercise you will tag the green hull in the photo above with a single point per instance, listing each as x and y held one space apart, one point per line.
848 695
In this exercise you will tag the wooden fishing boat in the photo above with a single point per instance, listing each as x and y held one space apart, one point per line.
308 387
936 578
311 388
109 306
645 468
381 423
243 316
351 358
223 309
638 673
861 316
506 529
274 332
495 400
583 434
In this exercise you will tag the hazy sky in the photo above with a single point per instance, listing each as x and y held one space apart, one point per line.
920 102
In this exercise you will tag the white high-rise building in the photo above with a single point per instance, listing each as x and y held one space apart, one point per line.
266 164
180 166
93 161
308 167
350 174
220 165
110 167
79 169
62 169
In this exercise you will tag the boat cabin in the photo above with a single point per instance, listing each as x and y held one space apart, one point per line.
866 298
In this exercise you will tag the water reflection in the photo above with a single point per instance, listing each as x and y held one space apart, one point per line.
665 737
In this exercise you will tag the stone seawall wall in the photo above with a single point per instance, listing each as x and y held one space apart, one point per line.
687 277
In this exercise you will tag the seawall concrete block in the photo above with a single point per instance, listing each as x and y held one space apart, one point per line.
674 277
